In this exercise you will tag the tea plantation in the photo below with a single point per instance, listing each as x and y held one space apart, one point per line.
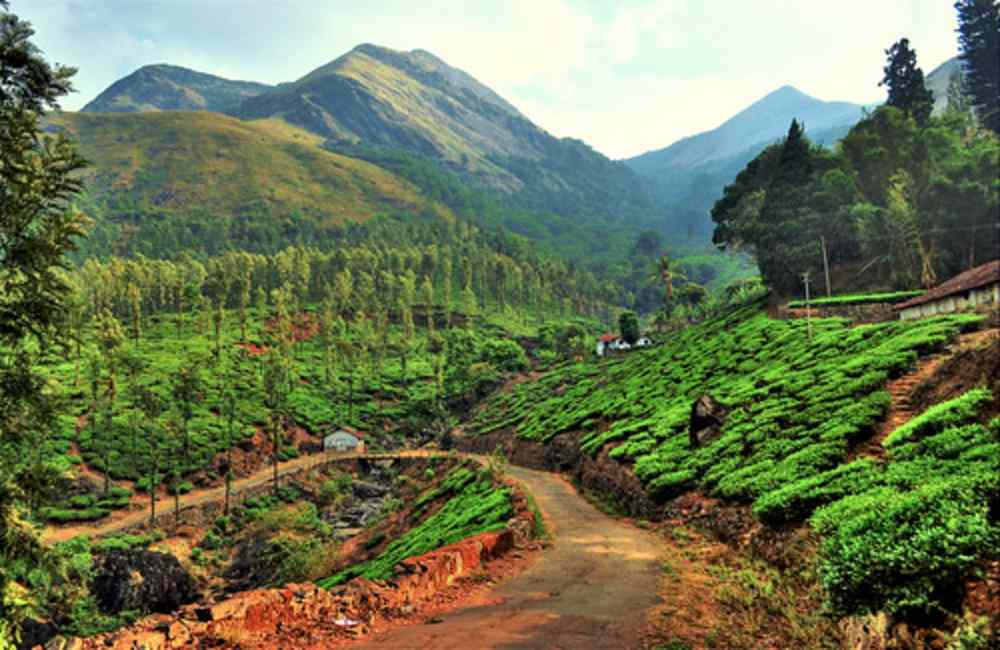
228 404
474 505
898 533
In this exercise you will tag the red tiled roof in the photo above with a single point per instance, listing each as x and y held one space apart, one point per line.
351 430
974 278
608 338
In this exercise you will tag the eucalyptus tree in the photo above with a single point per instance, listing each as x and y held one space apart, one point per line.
186 392
230 401
110 336
446 274
218 317
135 311
148 407
427 293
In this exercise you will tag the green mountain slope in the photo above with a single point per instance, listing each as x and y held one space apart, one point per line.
902 518
172 88
189 172
415 102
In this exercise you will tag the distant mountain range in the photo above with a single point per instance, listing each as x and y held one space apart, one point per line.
412 101
377 104
690 174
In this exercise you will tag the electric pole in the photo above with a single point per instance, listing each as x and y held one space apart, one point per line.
826 264
809 333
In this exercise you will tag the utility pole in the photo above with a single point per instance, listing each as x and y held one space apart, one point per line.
809 333
826 264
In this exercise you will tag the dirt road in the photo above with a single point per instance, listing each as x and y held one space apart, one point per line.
590 590
123 520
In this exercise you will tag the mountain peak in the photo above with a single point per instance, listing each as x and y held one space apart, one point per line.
760 123
166 87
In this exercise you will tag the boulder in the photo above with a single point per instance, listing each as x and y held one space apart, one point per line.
707 417
141 580
563 453
366 490
36 633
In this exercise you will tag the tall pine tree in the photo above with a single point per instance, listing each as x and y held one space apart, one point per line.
979 43
905 82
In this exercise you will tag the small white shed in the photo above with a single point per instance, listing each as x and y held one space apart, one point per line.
343 440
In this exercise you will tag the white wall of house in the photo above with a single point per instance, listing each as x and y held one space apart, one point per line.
981 297
340 441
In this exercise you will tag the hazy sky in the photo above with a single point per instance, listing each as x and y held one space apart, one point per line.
623 76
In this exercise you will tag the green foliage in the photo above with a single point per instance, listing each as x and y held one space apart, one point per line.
335 489
628 326
39 225
905 552
474 505
857 299
978 26
899 535
903 198
504 355
903 537
905 82
940 417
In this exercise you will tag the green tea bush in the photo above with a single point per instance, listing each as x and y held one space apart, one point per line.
474 506
796 406
940 416
899 534
857 299
905 552
61 515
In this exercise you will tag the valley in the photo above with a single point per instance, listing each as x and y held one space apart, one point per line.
360 355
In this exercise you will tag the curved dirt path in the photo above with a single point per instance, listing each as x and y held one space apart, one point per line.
590 590
124 519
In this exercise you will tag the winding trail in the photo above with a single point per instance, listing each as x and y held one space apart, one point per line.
591 589
123 520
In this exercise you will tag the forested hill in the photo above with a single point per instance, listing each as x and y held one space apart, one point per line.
172 88
160 183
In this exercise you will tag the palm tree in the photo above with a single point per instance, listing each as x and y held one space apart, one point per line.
668 272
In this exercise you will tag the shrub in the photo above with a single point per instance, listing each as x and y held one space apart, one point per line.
333 490
180 488
941 416
504 354
211 541
908 554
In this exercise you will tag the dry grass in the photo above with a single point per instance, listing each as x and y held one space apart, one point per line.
714 597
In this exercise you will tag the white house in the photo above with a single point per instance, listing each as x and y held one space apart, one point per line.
344 439
975 289
605 343
614 343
